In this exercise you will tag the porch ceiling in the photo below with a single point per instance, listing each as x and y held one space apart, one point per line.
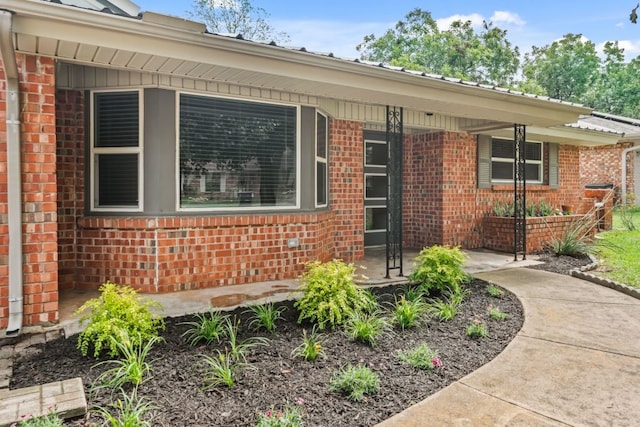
563 135
175 47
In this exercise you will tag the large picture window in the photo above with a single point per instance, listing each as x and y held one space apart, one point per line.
502 161
116 151
236 154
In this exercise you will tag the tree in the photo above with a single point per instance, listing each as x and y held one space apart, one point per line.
633 16
616 89
564 70
417 43
237 17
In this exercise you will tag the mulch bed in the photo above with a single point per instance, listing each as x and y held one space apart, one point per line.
277 379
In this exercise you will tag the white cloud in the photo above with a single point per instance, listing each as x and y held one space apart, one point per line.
631 48
337 37
475 18
502 17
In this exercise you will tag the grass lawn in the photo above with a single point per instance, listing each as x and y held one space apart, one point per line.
622 262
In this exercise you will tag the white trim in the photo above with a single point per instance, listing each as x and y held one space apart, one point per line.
375 230
324 160
237 209
373 141
93 151
511 161
368 174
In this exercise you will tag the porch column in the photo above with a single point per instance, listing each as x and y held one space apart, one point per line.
519 191
394 189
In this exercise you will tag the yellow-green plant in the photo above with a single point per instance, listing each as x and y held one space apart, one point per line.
440 268
118 310
330 295
355 381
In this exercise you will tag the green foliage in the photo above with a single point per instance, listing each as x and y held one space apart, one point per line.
534 209
503 209
407 313
119 310
221 370
265 316
495 291
355 382
618 252
330 295
50 419
565 69
207 327
130 411
446 309
576 238
440 267
421 357
365 327
418 43
132 366
291 416
238 350
496 314
627 214
477 329
311 347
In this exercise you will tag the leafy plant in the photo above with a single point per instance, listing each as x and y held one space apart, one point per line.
406 314
265 316
220 370
477 329
496 314
446 308
50 419
311 347
421 357
118 310
132 366
576 238
365 327
238 349
412 292
330 295
627 213
440 267
495 291
503 209
129 411
355 381
207 327
291 416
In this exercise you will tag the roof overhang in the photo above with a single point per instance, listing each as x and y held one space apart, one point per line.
176 47
563 135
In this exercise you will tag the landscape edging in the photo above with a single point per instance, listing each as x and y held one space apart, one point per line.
582 273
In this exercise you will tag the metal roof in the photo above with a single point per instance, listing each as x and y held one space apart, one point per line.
608 123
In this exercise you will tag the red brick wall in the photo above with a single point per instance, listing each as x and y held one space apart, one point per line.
70 176
38 147
603 165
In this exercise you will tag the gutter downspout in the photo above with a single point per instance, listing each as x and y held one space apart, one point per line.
624 172
14 185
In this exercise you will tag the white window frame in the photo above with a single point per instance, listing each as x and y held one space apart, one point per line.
236 208
372 141
374 230
366 175
323 160
511 161
94 151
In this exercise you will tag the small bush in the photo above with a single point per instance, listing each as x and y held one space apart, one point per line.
440 268
265 316
495 291
496 314
50 419
291 416
130 411
355 382
238 350
220 370
365 327
119 310
477 329
407 314
421 357
207 328
330 295
311 347
447 308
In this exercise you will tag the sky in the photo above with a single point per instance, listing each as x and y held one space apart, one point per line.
338 26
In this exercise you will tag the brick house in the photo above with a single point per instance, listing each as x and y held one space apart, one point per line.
141 149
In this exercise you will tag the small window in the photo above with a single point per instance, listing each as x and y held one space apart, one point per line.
502 161
375 153
236 154
322 177
116 152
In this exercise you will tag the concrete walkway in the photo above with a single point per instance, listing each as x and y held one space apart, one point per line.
575 362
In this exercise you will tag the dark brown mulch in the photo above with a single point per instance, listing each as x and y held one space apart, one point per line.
562 264
277 379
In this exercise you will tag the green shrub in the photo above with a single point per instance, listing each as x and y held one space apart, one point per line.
440 267
576 238
365 327
50 419
477 329
130 411
238 350
265 316
495 291
496 314
421 357
291 416
330 295
118 310
408 313
355 382
311 347
207 327
220 370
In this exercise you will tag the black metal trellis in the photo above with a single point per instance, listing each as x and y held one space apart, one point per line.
394 189
519 192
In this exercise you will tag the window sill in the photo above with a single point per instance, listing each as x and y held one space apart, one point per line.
530 187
